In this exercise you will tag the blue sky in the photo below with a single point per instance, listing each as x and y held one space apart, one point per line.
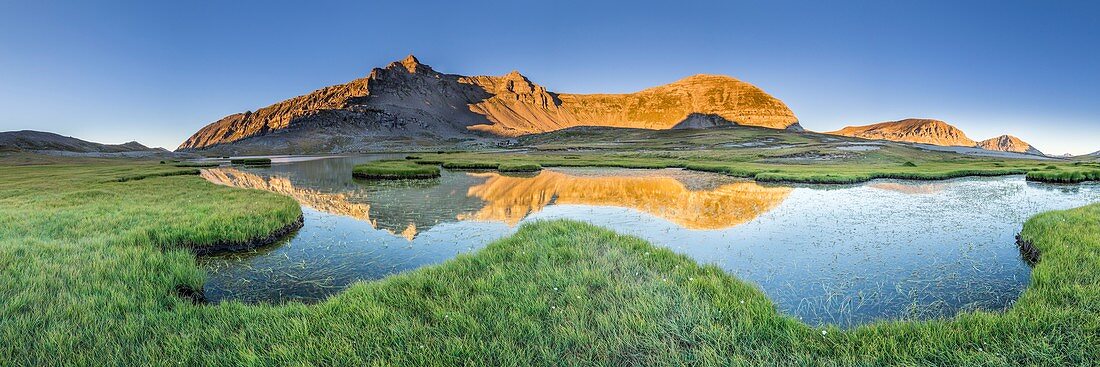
158 71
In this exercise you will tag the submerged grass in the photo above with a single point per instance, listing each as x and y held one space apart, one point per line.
89 268
394 169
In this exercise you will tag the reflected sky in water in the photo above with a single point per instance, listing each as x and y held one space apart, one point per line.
826 254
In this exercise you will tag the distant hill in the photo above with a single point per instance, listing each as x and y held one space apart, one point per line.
1008 143
409 103
934 132
39 141
923 131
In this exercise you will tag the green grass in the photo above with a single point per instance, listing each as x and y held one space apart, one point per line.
519 167
394 169
458 165
841 172
88 268
1072 174
154 173
197 165
251 161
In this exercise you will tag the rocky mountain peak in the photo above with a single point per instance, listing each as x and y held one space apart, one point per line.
409 100
1008 143
411 64
912 130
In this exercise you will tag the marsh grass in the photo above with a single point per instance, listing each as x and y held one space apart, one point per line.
155 173
519 167
197 165
473 165
394 169
1075 174
89 268
251 161
818 173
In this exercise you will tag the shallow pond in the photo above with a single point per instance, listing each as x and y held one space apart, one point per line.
826 254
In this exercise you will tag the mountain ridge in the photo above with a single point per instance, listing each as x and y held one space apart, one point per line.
32 140
911 130
408 100
934 132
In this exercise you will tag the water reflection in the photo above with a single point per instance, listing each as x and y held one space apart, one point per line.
827 254
911 188
510 199
327 202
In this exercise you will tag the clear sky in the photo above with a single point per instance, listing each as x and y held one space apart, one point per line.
156 71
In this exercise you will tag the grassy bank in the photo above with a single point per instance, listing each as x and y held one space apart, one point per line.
394 169
88 269
1076 173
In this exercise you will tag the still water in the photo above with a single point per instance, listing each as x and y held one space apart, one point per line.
826 254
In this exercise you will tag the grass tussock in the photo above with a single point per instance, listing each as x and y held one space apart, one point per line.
519 167
251 161
197 165
460 165
394 169
89 272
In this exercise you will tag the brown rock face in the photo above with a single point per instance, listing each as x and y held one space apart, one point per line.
409 100
1008 143
924 131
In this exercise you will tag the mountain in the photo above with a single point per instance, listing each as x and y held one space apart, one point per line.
29 140
1008 143
924 131
408 102
934 132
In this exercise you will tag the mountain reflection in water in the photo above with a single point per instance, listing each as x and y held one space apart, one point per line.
841 254
510 199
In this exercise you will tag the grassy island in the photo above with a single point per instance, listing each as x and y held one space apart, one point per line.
251 161
519 167
394 169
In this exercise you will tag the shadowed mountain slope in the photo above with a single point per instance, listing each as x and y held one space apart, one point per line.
934 132
29 140
408 102
1008 143
923 131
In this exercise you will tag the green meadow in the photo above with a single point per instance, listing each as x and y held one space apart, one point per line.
92 254
764 155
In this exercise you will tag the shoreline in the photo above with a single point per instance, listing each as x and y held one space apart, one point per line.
257 242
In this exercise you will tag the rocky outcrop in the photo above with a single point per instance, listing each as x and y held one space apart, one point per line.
1008 143
923 131
408 100
934 132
